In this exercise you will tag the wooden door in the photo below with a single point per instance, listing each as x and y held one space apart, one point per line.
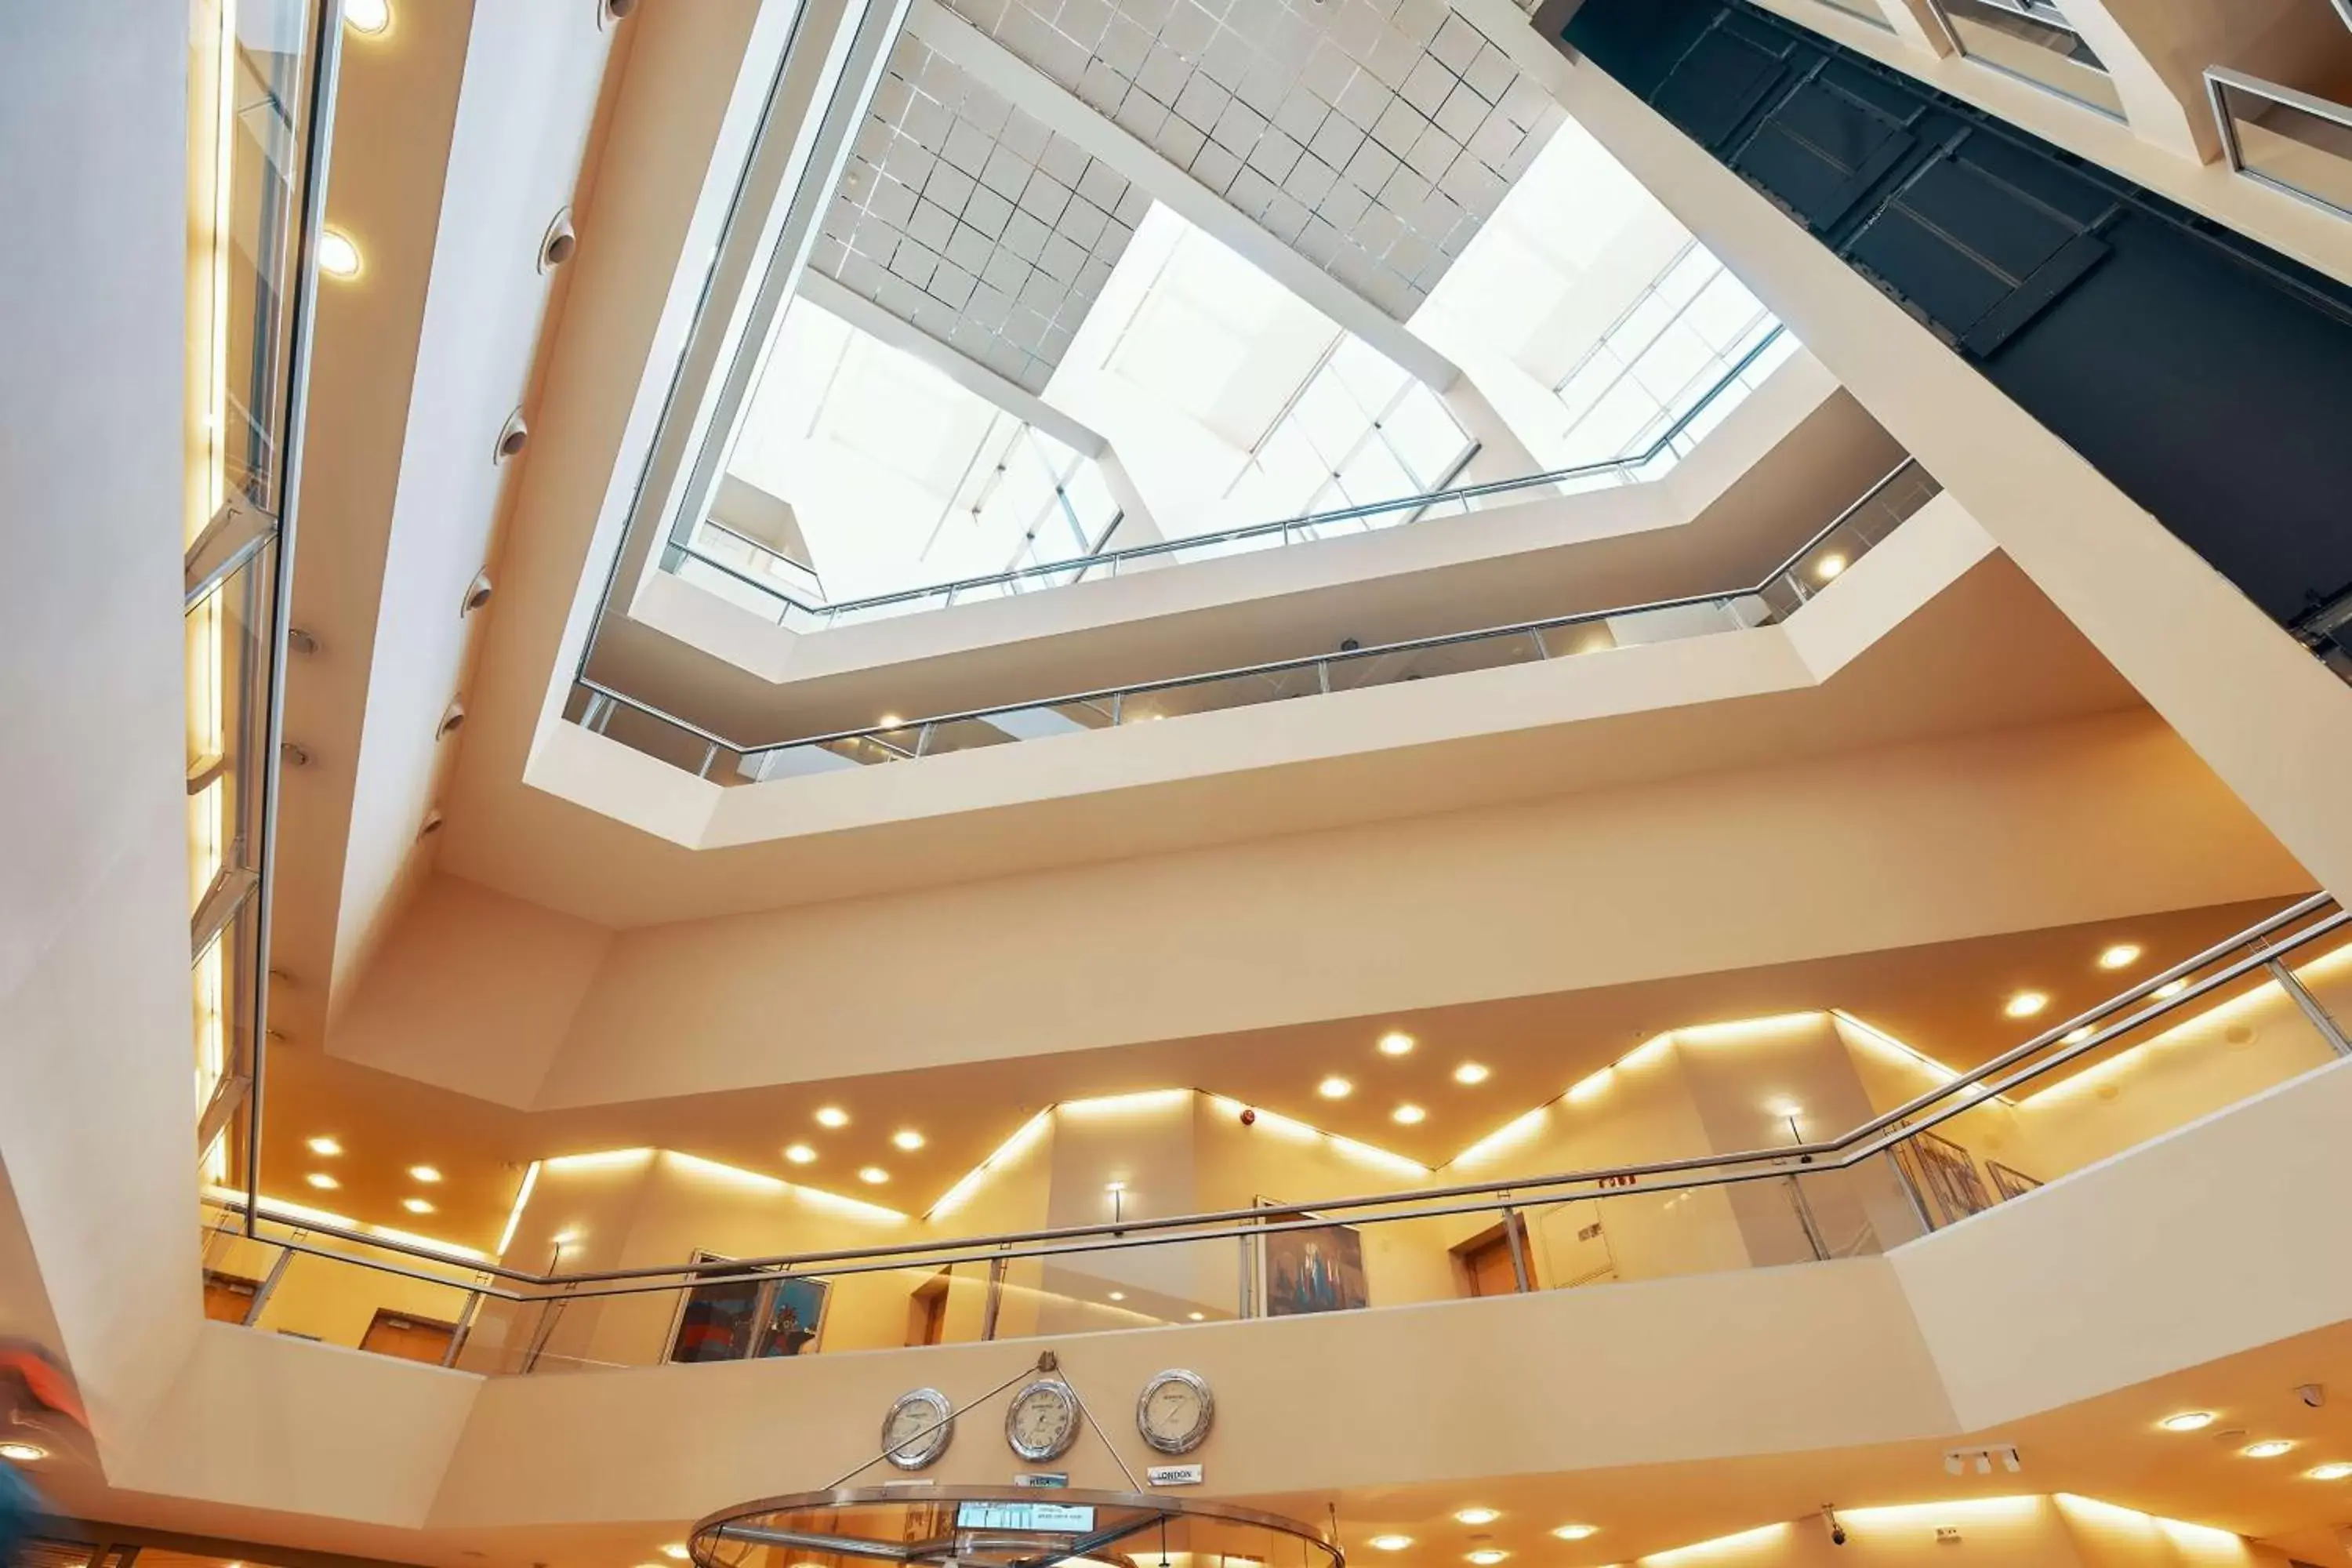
410 1339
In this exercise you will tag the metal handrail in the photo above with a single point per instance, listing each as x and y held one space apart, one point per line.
1271 666
1084 565
1962 1092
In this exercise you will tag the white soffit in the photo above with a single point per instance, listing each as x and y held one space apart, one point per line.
1373 136
967 218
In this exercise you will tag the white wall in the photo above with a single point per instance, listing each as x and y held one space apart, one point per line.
96 1110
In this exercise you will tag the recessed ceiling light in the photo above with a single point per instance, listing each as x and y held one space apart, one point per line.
676 1553
1396 1042
1488 1556
2168 990
1471 1072
367 16
427 1174
326 1146
1829 566
1390 1542
1478 1515
1198 1317
832 1116
2335 1471
324 1181
1334 1088
907 1138
2026 1003
800 1154
1114 1186
339 256
2186 1420
1575 1532
23 1453
892 722
2123 955
2268 1448
1408 1115
565 1237
2076 1036
874 1176
1119 1295
417 1206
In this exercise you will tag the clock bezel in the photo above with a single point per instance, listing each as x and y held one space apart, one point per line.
1036 1454
933 1445
1199 1432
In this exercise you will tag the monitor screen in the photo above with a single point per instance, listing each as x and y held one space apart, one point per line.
1057 1518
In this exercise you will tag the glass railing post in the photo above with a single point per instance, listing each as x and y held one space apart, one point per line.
1323 677
923 739
1511 1233
2320 1018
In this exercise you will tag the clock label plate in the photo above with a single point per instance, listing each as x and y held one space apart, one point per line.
1175 1474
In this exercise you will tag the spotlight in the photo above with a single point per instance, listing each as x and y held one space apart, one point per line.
1478 1515
23 1453
1334 1088
1574 1532
2186 1420
1408 1115
1396 1042
907 1138
2268 1448
874 1176
832 1116
368 17
2026 1003
326 1146
800 1154
1471 1072
339 256
1390 1542
2123 955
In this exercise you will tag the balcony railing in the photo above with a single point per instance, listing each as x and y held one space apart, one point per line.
2293 141
1779 594
2220 1025
267 88
796 613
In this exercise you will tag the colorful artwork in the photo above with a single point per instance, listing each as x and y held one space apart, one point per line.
747 1316
1314 1268
2008 1184
795 1314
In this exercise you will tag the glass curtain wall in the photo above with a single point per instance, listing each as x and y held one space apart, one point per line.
1360 430
1660 364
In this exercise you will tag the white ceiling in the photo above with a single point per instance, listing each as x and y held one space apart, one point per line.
1374 136
967 219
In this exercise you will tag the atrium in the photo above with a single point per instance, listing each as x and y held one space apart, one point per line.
1547 784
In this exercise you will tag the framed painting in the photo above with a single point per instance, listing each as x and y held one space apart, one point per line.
738 1319
1310 1268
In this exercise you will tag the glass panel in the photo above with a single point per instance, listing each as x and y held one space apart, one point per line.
1350 671
1229 691
2030 39
2306 153
1425 436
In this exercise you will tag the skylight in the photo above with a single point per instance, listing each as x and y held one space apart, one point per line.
897 476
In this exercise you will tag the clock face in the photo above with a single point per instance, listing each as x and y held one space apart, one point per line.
1174 1412
918 1429
1043 1420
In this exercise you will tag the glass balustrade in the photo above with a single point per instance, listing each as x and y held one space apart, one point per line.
1735 350
2255 1013
1780 594
2299 142
2033 42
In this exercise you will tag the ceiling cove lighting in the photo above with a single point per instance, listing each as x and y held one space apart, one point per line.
2334 1471
429 1174
326 1147
1408 1116
2121 955
1477 1515
1471 1073
907 1138
1011 1149
514 1215
599 1160
800 1154
1334 1088
1390 1542
1396 1042
339 256
2025 1004
832 1116
368 17
2268 1448
2186 1420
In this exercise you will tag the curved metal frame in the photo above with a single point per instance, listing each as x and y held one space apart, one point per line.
1198 1384
726 1524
